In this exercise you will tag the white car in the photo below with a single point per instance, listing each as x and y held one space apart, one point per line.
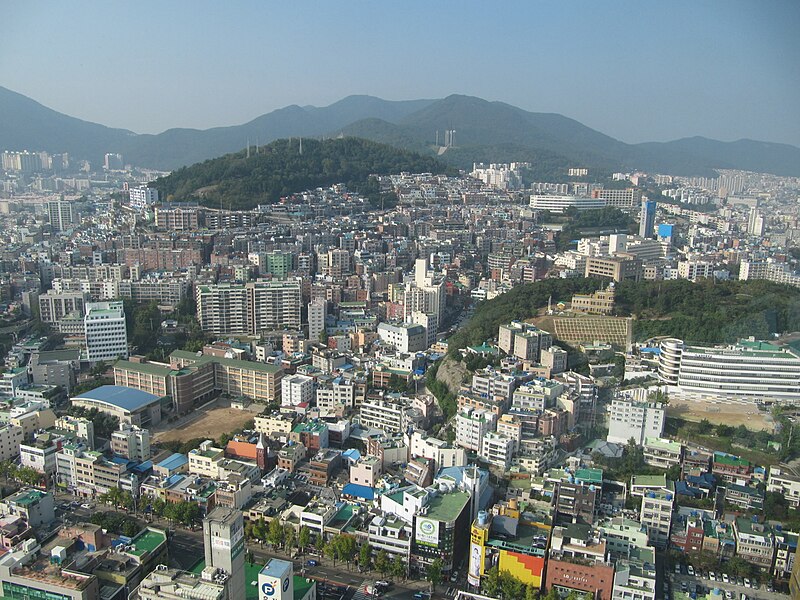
86 506
725 578
712 576
746 582
690 570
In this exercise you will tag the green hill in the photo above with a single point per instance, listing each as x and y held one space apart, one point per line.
705 312
278 170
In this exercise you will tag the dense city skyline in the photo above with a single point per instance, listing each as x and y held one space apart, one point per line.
635 71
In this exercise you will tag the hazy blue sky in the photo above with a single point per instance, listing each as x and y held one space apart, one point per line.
637 70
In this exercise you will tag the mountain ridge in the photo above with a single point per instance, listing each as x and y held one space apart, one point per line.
485 130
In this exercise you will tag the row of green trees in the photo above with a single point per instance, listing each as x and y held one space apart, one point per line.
503 585
117 523
23 475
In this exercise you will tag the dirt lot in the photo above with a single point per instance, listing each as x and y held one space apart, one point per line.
209 423
733 414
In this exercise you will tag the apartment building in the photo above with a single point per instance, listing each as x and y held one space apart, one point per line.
105 330
252 308
471 425
497 449
633 419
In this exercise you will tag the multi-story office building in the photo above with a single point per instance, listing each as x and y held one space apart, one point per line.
578 561
622 267
223 540
749 369
106 335
647 219
560 204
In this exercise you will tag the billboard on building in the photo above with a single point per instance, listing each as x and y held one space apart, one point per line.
475 564
427 531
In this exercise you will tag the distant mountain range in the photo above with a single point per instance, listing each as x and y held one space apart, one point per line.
484 131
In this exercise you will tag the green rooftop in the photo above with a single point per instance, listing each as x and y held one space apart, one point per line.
649 480
589 475
28 497
148 541
228 362
447 507
730 460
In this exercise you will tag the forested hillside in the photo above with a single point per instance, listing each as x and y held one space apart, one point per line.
279 169
709 312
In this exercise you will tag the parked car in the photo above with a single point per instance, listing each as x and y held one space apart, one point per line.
712 576
725 578
311 563
690 570
86 506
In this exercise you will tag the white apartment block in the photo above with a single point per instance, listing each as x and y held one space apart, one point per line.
441 452
633 419
387 415
252 308
405 338
492 384
656 515
297 389
106 335
141 197
338 392
782 482
775 272
131 442
537 395
10 440
317 310
497 449
472 424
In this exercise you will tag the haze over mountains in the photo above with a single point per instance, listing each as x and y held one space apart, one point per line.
485 131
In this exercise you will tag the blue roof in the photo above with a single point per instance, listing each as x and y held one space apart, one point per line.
359 491
352 454
122 397
143 467
174 461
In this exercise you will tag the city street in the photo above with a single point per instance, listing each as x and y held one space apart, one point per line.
736 590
